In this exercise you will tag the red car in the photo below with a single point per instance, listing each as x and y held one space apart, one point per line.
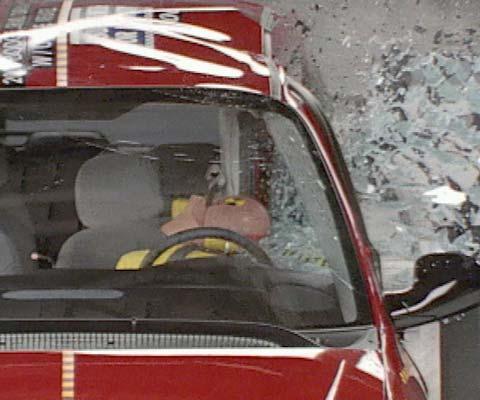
176 220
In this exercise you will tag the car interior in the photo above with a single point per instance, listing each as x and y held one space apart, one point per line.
54 192
80 191
70 190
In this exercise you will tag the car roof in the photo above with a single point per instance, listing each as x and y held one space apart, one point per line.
121 43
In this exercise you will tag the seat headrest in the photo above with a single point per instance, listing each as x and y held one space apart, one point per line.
116 188
184 167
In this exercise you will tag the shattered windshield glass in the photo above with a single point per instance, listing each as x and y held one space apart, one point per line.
133 180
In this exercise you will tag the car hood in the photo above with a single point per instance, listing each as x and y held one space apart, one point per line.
194 374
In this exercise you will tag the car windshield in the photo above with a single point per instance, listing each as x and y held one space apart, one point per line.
180 204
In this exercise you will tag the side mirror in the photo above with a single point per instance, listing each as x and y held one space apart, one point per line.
444 284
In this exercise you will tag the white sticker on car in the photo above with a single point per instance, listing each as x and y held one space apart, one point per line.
131 36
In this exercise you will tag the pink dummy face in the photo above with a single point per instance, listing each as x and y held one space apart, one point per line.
240 214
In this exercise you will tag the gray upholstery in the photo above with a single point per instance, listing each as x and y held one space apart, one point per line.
17 240
16 245
118 199
183 168
113 188
102 247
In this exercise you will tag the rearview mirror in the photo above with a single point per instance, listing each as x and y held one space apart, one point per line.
444 284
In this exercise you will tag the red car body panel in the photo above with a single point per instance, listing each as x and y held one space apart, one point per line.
77 62
321 374
225 377
30 375
231 47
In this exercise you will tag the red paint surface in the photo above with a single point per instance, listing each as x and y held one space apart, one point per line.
91 65
123 378
38 376
30 376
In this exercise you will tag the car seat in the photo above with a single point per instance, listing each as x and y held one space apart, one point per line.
119 201
17 240
184 168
